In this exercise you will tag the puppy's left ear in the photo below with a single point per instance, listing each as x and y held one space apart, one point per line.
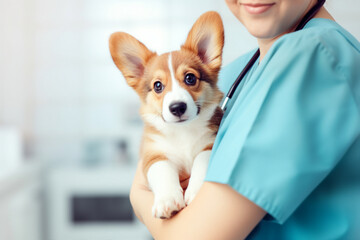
206 39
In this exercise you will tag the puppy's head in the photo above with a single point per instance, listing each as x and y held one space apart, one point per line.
175 86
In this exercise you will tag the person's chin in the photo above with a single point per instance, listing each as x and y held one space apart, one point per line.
262 30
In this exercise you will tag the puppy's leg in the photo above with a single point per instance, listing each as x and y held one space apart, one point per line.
163 178
198 173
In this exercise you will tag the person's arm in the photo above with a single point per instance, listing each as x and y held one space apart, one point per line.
217 212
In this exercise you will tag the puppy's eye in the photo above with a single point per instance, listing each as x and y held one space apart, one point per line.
158 87
190 79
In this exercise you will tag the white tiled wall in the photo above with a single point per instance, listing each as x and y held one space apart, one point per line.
58 82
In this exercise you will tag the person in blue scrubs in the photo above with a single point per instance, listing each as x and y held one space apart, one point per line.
289 140
286 161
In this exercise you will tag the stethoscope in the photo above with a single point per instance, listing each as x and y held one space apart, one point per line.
309 15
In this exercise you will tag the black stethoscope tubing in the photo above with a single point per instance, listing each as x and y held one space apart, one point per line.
308 16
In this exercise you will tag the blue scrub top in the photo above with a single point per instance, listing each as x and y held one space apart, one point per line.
290 138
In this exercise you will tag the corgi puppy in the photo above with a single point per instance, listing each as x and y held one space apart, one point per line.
179 106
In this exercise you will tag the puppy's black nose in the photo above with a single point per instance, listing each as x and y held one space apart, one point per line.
178 108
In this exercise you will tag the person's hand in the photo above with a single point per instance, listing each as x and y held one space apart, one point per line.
138 188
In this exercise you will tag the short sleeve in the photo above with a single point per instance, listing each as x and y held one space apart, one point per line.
289 127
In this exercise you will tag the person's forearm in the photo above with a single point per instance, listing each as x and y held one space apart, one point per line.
218 212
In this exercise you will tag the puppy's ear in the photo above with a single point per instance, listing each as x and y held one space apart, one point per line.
130 56
206 39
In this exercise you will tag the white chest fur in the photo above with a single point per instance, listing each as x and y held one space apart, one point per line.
182 142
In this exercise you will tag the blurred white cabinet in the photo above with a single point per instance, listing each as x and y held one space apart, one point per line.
80 202
20 206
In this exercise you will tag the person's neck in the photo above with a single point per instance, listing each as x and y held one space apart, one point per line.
266 43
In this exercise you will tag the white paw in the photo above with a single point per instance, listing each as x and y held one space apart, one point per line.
168 205
191 192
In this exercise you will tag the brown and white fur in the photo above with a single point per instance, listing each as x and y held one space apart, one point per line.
179 107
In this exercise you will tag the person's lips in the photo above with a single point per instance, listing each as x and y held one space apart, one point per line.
257 8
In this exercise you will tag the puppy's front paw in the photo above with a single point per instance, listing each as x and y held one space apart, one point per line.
191 192
167 205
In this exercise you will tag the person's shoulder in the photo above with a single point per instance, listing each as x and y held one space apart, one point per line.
322 42
331 32
321 34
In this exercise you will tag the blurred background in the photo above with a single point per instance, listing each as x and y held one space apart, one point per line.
69 125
